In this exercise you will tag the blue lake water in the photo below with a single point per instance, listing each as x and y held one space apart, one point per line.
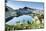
22 19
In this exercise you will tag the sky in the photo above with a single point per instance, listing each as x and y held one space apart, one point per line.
29 0
16 5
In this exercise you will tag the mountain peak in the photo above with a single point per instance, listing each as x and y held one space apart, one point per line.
25 7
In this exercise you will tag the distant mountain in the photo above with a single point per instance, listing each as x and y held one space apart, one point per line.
24 11
27 10
21 11
10 13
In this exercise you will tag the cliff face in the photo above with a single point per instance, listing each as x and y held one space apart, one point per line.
9 12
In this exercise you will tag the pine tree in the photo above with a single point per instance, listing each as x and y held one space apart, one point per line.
28 22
